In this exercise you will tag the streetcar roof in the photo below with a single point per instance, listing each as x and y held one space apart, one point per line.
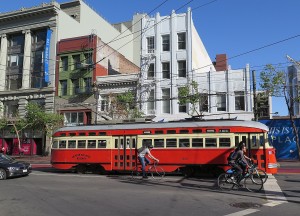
233 123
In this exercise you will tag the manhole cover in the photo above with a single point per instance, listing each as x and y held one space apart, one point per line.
246 205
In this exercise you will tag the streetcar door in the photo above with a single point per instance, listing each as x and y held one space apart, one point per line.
124 156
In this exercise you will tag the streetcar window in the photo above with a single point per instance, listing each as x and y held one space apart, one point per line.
63 134
159 132
81 134
55 144
184 131
62 144
262 140
170 143
159 143
171 131
236 140
197 142
81 143
72 134
91 144
210 142
92 134
133 143
147 142
184 143
116 143
224 142
197 131
102 133
253 141
101 143
72 144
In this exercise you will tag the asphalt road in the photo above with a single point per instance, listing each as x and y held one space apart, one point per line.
62 194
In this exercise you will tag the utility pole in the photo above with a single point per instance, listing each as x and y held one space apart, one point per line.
254 96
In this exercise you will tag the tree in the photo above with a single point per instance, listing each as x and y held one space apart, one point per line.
189 94
124 106
274 83
35 118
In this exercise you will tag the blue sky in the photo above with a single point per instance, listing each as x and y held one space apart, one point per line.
233 27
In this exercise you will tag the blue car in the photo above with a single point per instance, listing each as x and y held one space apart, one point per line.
9 167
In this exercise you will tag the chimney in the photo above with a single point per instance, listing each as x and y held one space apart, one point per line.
221 62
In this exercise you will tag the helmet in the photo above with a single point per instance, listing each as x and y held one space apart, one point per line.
150 146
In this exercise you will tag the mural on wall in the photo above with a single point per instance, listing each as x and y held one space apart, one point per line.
281 136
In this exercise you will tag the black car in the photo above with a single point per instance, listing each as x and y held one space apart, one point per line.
9 167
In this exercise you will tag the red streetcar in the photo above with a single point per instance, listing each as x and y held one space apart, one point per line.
188 146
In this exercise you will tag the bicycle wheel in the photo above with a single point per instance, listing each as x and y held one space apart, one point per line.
225 182
253 183
260 173
156 172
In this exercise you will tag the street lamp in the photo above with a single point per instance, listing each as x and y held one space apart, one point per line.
96 92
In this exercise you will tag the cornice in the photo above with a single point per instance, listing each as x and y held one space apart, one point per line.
25 13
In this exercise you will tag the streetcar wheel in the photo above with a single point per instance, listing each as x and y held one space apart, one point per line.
81 169
225 182
253 183
2 174
156 172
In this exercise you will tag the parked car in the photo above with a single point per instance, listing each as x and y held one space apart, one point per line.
9 167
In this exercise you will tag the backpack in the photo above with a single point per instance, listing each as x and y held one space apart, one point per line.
231 156
140 149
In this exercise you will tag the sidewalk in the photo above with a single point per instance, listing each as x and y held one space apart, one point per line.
35 159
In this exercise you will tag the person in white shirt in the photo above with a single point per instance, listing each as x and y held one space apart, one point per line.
144 160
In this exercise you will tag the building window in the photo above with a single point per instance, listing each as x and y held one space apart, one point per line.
166 70
76 87
203 102
150 44
14 82
88 84
11 109
15 60
64 63
39 36
221 101
76 61
239 100
182 107
37 74
16 40
73 118
104 104
182 68
63 87
151 102
88 59
166 43
181 41
150 73
166 100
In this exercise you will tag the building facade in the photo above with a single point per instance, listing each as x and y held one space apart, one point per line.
173 56
28 63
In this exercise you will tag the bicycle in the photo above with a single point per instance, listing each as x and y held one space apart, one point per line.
258 172
155 171
228 181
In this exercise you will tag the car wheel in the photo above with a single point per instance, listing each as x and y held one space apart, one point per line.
2 174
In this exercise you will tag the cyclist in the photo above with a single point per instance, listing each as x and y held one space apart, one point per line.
144 160
239 161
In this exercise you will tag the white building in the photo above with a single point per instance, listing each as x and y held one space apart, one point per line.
172 56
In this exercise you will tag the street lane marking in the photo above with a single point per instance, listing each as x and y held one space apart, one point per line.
243 212
273 192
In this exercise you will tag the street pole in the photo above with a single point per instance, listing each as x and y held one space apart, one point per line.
254 96
96 95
